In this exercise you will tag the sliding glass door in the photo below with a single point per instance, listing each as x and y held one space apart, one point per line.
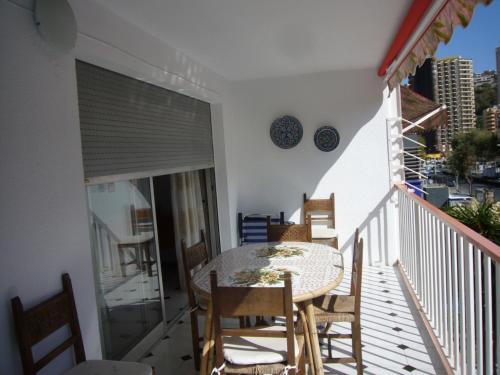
126 265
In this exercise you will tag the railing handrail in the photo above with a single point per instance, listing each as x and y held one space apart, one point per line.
476 239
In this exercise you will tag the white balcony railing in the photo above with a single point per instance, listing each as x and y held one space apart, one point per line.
455 274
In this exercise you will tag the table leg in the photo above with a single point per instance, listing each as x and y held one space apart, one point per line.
313 333
307 338
204 369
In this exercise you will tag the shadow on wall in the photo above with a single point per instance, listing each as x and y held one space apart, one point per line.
375 234
270 179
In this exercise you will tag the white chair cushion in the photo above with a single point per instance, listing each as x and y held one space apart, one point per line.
95 367
319 232
257 350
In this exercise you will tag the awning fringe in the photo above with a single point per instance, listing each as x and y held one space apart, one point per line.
453 13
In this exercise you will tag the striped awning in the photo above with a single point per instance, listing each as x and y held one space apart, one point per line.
451 14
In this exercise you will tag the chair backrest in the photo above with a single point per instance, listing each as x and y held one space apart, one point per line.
320 206
39 322
288 232
141 219
193 257
357 271
253 228
250 301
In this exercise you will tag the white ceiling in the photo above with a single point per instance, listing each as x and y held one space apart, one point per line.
246 39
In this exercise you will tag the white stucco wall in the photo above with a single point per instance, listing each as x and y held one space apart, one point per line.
44 229
43 220
265 178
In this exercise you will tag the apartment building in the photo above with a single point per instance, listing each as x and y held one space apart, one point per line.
491 118
488 77
454 87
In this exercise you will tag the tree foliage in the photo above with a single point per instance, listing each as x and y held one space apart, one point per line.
485 97
468 148
484 218
462 158
477 145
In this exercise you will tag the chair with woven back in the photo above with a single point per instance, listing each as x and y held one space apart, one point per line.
256 350
331 309
193 258
320 213
41 321
288 232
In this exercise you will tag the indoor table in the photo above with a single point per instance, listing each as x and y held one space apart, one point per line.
316 269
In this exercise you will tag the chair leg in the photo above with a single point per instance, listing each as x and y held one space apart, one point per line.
196 340
121 258
327 328
356 346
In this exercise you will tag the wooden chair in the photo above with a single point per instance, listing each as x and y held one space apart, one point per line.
341 308
257 350
141 219
39 322
142 228
321 214
193 258
288 232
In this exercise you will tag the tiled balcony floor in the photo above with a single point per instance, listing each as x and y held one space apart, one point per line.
393 343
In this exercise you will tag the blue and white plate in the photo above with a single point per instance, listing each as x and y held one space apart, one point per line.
286 132
326 138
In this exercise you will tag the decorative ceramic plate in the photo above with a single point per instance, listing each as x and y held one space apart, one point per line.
286 132
326 138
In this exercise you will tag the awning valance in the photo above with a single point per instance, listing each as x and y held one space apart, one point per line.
451 14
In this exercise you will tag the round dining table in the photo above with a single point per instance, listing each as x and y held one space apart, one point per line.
316 269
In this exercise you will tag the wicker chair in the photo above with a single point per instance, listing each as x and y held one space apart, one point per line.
257 350
288 232
344 308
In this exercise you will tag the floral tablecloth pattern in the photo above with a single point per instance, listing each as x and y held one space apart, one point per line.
313 266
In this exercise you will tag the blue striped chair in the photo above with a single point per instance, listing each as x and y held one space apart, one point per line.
253 228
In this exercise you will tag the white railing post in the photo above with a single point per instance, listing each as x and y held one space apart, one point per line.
488 316
455 274
478 284
418 251
469 300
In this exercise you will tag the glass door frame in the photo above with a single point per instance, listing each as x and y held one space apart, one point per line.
158 332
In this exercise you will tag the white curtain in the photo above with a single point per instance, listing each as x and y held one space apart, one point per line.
187 208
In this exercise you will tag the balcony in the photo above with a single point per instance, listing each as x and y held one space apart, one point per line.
104 112
393 334
433 312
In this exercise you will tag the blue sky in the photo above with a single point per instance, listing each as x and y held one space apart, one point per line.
479 40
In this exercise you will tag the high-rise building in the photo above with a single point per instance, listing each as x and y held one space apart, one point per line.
454 87
498 71
491 119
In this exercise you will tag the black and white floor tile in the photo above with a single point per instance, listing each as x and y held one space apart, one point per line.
392 342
